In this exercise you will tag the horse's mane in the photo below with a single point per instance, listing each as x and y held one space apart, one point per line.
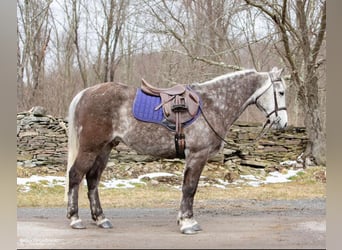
230 75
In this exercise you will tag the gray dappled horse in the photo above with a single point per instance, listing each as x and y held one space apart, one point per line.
101 116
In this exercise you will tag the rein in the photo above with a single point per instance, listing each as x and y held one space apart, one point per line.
263 131
211 127
265 128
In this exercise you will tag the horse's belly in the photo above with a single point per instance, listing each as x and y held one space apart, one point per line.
155 148
151 139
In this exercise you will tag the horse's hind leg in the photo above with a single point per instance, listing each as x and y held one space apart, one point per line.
193 169
84 161
93 178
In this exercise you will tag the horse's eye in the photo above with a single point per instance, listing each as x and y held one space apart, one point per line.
281 93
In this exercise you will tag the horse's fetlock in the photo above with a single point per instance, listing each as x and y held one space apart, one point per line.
72 211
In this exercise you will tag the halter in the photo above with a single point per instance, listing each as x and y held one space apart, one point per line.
264 130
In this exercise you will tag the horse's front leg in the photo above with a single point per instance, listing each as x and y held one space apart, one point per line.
193 169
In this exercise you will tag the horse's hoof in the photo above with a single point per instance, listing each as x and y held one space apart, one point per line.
77 224
104 223
189 226
188 231
197 227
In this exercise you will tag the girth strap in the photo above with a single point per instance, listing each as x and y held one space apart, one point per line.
178 107
180 145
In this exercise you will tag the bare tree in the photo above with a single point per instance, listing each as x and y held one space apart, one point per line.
114 20
33 39
222 34
74 23
302 29
200 28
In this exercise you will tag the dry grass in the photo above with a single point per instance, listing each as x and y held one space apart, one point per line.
306 185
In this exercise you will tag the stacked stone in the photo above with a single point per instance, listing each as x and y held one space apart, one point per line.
41 139
270 149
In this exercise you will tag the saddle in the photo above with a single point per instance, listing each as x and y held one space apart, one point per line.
180 104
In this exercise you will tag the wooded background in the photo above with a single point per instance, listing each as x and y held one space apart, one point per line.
67 45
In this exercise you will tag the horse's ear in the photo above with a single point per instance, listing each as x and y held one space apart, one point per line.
277 72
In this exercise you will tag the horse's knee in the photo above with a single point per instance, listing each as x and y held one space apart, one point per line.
189 189
75 177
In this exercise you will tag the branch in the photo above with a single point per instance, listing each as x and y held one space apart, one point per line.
208 61
285 38
305 43
188 53
321 34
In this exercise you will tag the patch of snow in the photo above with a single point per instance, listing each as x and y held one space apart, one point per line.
277 177
116 183
249 177
251 180
35 179
48 181
222 182
219 186
254 183
154 175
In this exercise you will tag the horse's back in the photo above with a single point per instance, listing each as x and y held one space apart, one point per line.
103 98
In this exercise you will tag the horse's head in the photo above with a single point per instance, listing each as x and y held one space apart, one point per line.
271 101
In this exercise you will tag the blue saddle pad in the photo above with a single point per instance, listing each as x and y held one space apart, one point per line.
144 110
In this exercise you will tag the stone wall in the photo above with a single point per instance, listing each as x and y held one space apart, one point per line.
271 149
42 141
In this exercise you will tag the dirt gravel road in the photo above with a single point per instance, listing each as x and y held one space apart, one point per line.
226 224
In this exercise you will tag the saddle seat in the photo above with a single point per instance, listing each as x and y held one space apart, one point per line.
180 104
175 100
152 90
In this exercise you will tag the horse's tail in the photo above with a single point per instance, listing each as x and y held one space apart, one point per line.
73 140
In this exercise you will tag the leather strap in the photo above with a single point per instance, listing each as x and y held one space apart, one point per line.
179 136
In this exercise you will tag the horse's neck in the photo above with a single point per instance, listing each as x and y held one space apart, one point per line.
228 97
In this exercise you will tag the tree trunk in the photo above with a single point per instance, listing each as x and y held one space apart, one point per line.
316 147
303 64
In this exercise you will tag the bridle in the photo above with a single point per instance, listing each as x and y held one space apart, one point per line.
265 129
